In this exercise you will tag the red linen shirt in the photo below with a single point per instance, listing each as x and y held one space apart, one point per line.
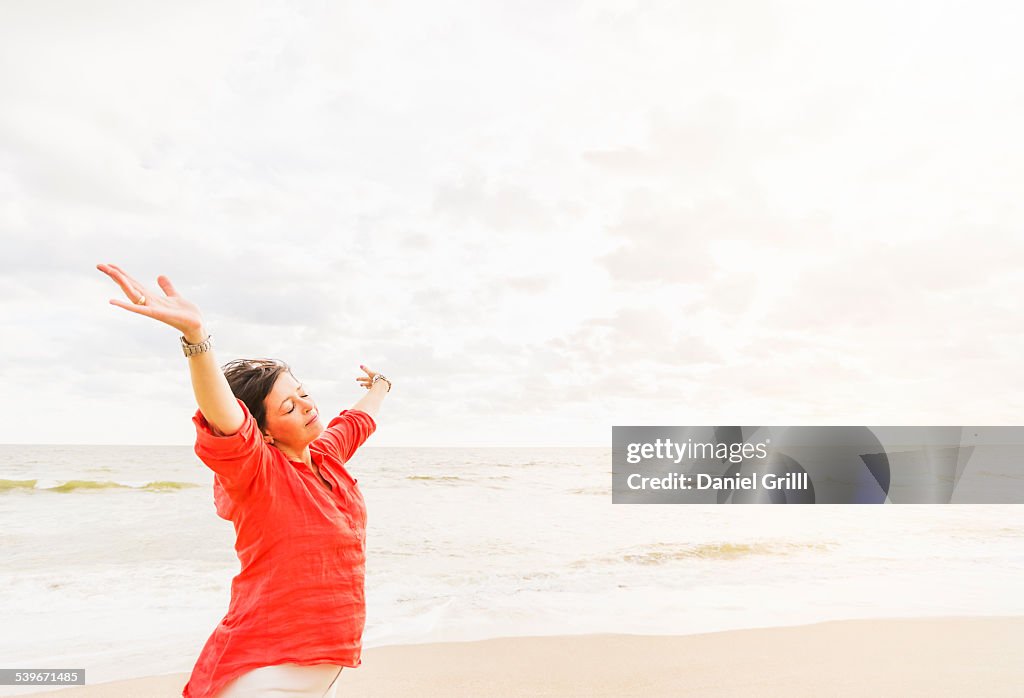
299 595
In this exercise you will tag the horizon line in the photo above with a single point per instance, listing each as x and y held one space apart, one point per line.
361 447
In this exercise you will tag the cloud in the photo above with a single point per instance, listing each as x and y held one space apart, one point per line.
671 241
904 286
659 211
482 204
532 283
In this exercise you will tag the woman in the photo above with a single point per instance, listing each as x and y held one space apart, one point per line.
297 606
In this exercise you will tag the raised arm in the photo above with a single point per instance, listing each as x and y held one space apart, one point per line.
213 394
371 402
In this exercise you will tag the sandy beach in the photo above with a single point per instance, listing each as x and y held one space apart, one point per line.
884 657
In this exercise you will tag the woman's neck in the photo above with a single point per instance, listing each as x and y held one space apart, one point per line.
291 454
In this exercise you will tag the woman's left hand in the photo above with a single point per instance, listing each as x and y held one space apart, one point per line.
367 380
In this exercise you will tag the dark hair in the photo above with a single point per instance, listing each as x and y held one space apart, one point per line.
251 380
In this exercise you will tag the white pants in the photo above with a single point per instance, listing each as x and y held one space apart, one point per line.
285 680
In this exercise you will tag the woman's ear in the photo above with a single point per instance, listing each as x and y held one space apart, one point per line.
267 438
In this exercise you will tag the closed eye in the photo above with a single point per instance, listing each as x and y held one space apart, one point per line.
293 406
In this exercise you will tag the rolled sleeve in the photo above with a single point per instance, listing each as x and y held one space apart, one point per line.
347 432
240 458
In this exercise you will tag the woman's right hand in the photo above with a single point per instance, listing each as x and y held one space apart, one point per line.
171 309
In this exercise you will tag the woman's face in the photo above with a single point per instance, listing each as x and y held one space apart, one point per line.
292 417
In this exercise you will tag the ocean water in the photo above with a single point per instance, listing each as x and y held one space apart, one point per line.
113 559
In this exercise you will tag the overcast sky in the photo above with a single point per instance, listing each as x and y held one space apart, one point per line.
539 219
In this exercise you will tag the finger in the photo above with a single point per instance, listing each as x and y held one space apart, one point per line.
166 285
140 309
126 286
126 282
110 271
134 282
106 269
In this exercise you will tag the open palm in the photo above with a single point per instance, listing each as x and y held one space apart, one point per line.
170 307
